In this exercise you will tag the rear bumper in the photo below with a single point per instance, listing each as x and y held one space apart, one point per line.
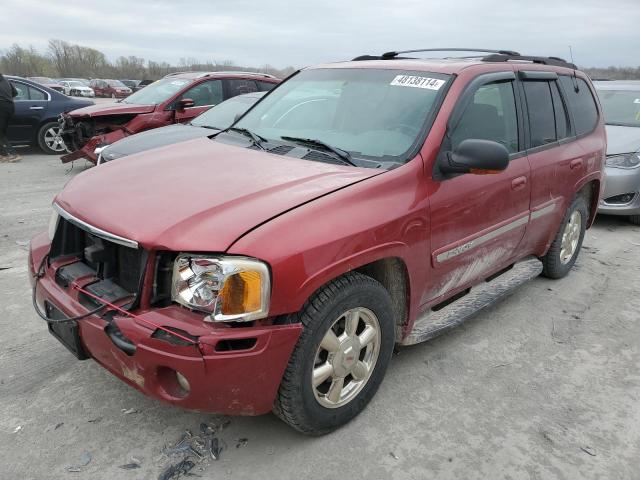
621 182
238 382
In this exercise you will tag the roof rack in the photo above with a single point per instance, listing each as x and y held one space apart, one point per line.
495 56
223 72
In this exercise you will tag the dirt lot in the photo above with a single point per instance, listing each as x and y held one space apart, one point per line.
543 386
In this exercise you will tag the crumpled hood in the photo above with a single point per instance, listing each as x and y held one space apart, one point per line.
112 109
154 138
622 139
199 195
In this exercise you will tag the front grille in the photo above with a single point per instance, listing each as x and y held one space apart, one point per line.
117 269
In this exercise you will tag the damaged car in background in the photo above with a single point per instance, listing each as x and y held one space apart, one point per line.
206 124
177 98
360 205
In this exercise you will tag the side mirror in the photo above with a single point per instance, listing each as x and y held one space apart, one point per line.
185 103
477 156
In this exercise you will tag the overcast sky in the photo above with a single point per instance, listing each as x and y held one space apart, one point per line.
298 32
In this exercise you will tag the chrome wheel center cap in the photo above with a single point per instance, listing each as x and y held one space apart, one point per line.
346 358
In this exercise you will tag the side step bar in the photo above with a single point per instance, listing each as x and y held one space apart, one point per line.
433 323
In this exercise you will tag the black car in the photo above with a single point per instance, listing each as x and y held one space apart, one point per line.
35 121
207 123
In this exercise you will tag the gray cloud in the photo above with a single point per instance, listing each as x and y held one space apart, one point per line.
299 33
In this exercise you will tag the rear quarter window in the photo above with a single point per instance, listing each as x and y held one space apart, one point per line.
581 103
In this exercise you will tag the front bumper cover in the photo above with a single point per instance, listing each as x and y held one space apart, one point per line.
238 382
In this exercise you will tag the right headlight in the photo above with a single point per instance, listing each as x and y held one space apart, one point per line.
229 289
628 160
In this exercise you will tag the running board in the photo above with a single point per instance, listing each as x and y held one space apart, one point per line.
485 294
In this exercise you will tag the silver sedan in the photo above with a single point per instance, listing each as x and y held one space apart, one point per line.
620 100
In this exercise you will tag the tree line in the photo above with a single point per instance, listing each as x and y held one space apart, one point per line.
63 59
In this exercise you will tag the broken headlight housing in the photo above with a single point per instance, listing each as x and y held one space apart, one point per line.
629 160
229 289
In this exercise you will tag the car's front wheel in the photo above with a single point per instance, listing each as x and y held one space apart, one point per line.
341 356
49 139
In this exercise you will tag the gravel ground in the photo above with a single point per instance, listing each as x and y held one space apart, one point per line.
544 385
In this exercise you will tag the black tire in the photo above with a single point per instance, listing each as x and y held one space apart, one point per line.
296 403
42 142
635 219
552 264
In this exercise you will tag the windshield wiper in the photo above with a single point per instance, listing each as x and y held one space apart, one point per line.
342 154
257 139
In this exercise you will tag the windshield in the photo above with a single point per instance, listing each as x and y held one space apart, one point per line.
378 114
42 79
621 107
75 84
157 92
224 114
115 83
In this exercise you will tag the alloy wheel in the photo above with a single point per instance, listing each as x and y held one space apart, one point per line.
570 237
53 140
346 357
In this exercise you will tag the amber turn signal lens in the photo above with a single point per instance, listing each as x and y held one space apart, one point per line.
241 293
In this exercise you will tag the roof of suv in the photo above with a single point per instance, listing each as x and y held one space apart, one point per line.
449 65
194 75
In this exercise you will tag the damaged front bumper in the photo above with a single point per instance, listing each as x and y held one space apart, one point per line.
226 370
78 136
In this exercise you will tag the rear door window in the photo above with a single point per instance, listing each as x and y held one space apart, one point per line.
490 116
265 86
240 86
581 103
560 112
541 115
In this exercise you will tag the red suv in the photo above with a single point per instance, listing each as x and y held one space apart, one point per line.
177 98
357 206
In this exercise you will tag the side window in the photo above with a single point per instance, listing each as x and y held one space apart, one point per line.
205 93
240 86
490 116
265 86
560 111
582 104
541 115
23 92
35 94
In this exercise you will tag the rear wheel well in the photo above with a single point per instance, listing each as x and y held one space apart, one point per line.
392 274
591 194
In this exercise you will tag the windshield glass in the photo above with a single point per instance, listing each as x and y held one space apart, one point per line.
369 113
157 92
42 79
75 84
224 114
621 107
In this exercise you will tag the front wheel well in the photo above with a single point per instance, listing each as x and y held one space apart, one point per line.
392 274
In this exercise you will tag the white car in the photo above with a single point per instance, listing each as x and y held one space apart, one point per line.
75 88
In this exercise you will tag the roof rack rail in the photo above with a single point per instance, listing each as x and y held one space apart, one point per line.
223 72
555 61
390 55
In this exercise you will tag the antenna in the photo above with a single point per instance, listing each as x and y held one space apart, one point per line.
576 87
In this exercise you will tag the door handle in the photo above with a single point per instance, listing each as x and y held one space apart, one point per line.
518 183
576 163
36 108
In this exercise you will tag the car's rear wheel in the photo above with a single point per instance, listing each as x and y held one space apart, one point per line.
567 243
635 219
49 139
341 356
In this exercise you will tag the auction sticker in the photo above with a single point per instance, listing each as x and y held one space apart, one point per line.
417 82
